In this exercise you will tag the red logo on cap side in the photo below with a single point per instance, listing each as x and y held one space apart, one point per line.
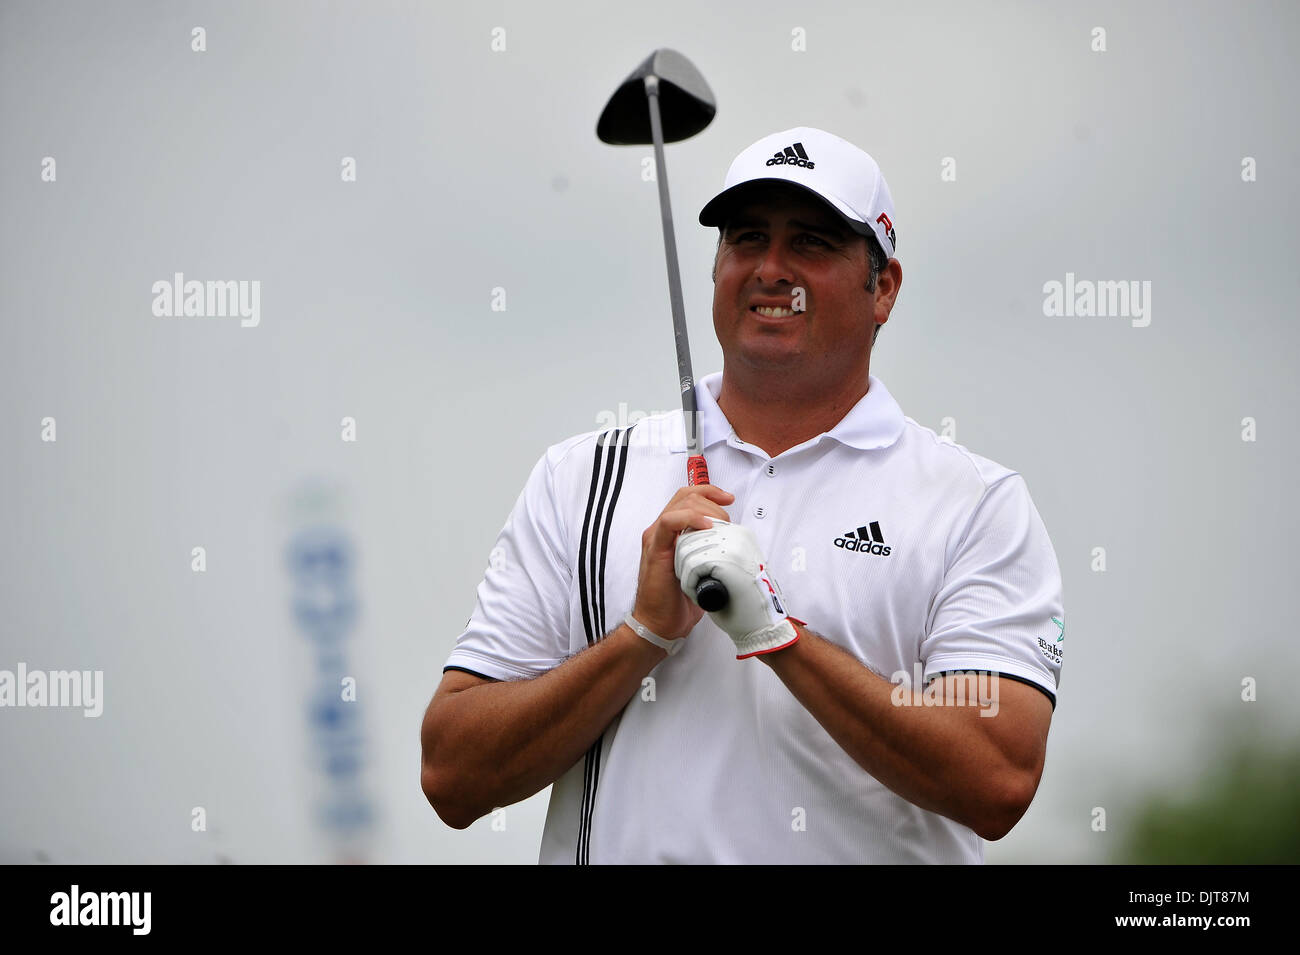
889 230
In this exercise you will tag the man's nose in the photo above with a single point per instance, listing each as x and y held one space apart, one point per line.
775 266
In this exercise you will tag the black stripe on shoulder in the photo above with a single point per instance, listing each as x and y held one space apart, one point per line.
608 523
481 676
596 494
1007 676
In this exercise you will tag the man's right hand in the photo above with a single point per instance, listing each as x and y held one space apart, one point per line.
661 605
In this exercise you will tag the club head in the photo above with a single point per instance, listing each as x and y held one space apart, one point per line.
686 103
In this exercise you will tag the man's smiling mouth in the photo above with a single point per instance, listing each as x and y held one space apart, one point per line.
768 312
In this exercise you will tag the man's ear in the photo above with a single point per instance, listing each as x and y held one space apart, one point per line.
891 276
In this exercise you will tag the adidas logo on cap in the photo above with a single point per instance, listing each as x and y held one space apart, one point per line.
864 540
791 156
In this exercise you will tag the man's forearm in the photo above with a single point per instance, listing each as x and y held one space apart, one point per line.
937 757
494 744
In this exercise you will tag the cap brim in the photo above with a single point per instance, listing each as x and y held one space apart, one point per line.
716 209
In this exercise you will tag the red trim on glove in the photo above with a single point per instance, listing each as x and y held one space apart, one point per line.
759 653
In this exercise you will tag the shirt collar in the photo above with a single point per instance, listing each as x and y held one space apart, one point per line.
875 421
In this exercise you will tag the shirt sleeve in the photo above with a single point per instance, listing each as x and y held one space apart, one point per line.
520 625
1000 607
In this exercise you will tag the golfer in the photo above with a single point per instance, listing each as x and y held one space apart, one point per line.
880 684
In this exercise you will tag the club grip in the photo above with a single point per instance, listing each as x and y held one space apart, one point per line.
697 472
710 594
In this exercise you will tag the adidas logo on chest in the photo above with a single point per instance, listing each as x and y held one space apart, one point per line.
868 539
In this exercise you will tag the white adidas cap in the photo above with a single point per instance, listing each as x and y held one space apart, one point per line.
832 169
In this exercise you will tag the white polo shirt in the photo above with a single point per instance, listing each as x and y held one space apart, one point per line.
909 551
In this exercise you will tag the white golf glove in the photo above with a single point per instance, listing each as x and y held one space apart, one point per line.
754 616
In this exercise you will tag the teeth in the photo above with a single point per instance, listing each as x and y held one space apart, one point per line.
773 312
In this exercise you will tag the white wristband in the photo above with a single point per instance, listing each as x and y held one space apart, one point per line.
672 646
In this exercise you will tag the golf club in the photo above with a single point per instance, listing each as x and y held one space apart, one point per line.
665 99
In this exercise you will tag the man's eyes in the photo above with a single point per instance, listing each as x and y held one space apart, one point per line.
805 235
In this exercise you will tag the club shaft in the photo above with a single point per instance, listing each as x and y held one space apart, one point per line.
685 377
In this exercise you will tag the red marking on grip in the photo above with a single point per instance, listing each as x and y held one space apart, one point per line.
697 472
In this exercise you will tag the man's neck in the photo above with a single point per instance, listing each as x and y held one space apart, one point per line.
777 416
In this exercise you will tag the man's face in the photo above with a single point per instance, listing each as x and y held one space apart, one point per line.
778 241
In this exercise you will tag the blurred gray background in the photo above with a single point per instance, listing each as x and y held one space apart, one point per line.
479 169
